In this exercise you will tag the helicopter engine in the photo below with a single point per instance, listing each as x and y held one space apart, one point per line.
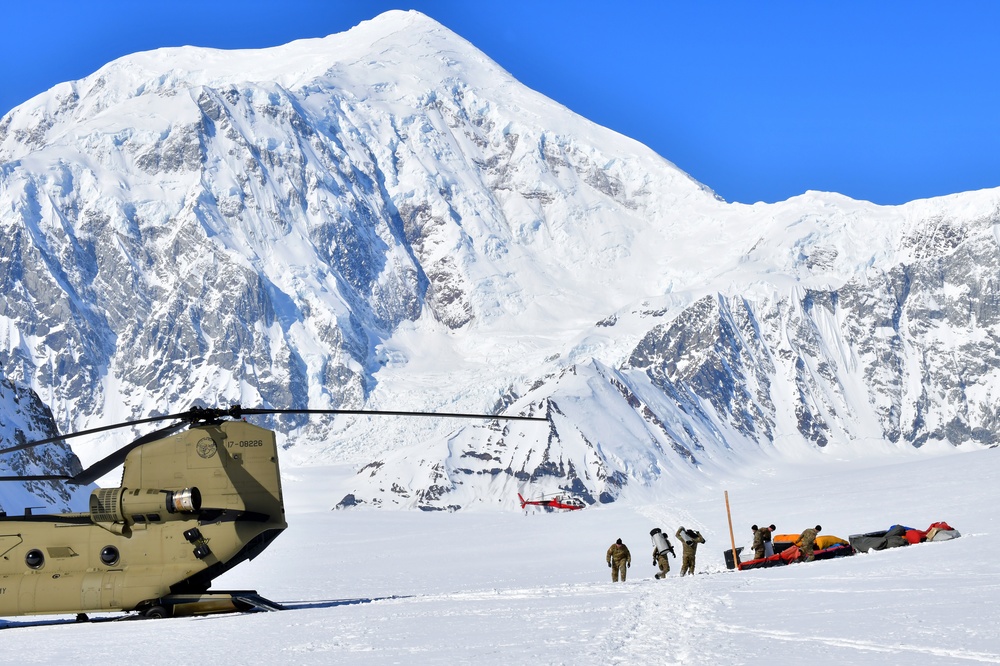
142 505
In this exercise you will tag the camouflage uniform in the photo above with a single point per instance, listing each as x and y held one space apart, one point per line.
765 534
687 561
762 542
758 543
619 559
805 543
661 560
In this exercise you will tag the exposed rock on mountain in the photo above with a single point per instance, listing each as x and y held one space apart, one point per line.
23 418
385 218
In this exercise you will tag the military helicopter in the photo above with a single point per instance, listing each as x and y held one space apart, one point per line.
197 498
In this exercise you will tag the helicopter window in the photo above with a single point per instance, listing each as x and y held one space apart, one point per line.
34 558
110 555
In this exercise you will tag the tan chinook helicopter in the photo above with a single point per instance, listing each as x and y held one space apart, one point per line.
196 499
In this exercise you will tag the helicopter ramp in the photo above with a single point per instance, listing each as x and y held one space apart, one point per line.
241 601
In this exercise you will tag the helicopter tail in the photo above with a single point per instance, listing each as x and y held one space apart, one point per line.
523 502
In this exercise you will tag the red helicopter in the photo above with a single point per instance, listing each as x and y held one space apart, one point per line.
553 502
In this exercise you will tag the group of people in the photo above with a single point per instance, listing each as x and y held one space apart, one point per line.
619 558
806 542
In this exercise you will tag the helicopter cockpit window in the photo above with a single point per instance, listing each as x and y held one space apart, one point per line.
110 555
34 558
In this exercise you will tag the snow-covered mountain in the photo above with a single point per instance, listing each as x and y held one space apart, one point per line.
23 418
385 218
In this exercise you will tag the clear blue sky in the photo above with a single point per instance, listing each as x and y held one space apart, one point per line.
887 101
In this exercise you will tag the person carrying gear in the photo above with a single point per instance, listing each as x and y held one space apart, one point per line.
766 533
806 542
660 540
619 559
762 542
690 539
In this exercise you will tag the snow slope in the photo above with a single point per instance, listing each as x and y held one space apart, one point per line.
488 587
384 218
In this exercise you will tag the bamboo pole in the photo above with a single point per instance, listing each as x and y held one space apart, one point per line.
732 537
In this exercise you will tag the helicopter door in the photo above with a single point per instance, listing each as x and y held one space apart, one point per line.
26 592
101 590
90 595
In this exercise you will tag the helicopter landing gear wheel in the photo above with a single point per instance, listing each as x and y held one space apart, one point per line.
156 612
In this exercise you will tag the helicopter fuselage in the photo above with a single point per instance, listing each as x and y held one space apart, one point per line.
190 506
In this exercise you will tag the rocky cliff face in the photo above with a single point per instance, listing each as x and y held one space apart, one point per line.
385 218
24 418
901 354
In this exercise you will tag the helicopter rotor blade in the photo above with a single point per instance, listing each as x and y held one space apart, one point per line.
203 414
196 414
37 477
113 460
193 415
103 466
92 431
383 412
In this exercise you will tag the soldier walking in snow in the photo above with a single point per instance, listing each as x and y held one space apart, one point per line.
660 558
619 559
806 542
690 539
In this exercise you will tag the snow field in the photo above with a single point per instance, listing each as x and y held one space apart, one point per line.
501 587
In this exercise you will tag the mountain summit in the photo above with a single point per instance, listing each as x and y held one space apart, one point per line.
385 218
